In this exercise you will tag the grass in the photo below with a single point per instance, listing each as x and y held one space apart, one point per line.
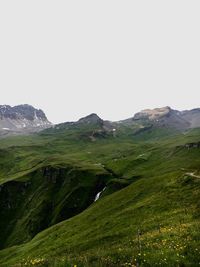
148 215
168 229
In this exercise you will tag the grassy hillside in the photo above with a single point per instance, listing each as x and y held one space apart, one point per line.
148 214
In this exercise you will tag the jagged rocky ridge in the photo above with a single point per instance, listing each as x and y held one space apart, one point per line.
22 118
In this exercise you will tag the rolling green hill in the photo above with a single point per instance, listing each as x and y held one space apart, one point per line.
148 180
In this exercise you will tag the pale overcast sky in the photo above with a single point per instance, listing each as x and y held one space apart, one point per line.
114 58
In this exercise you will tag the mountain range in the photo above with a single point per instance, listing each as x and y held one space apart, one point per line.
27 119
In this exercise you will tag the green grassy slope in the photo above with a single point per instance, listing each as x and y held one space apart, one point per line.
45 197
154 220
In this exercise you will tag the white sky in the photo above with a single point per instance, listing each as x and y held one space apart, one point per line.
114 58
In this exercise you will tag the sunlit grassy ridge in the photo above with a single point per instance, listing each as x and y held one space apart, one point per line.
153 221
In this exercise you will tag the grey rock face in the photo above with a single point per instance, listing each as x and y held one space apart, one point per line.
91 119
22 119
192 116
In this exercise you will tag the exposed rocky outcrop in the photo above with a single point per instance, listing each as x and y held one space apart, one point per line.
22 119
152 114
192 116
91 119
167 117
191 145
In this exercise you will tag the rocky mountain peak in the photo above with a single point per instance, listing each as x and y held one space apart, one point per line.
21 111
91 119
152 114
22 118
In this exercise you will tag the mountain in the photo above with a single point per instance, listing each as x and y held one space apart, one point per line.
159 122
27 119
99 193
192 116
22 119
91 127
158 118
91 119
167 117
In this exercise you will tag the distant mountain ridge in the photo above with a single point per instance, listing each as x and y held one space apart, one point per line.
22 118
164 117
27 119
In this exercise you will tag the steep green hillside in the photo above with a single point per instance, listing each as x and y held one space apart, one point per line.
148 213
45 197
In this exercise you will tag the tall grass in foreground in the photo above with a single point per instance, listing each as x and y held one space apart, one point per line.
169 245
